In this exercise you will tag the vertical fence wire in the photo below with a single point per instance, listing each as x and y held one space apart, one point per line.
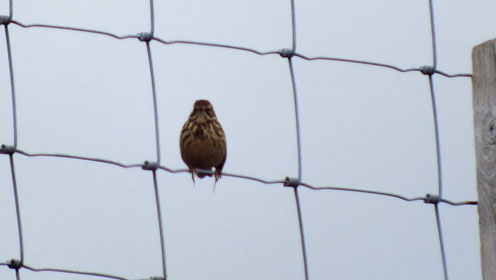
302 234
11 9
298 138
152 18
160 225
157 138
11 157
155 105
441 241
18 214
298 142
293 25
12 84
297 118
293 84
433 32
438 140
438 144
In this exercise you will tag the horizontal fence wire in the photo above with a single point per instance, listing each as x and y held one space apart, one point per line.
14 263
215 45
239 176
156 166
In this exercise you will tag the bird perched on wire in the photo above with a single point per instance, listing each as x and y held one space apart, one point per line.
203 142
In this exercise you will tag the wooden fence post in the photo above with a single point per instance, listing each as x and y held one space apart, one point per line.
484 104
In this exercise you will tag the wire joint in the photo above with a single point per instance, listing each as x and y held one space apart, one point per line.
145 36
150 165
428 70
287 53
432 199
5 20
14 264
7 149
291 182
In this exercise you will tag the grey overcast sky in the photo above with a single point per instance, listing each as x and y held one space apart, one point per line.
361 126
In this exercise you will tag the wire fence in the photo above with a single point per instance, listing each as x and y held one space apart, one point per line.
295 183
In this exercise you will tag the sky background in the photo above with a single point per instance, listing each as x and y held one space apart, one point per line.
361 126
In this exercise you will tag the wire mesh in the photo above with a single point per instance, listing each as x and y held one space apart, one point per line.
289 54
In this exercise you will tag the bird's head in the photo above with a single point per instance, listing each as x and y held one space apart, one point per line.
203 110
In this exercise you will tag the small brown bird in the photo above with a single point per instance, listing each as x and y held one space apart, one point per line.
203 142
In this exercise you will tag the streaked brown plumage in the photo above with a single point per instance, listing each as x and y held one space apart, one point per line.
202 141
